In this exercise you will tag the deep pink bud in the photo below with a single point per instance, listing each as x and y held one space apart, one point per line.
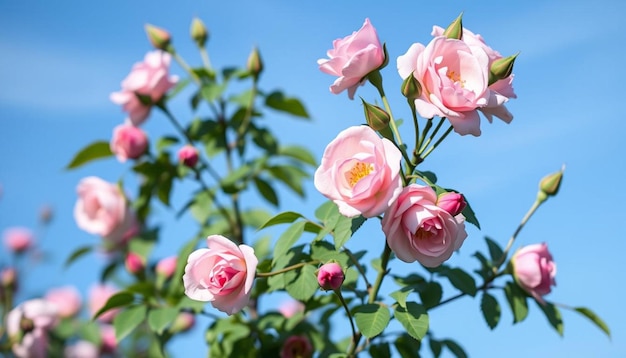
18 239
452 202
188 155
330 276
134 263
128 142
167 266
297 347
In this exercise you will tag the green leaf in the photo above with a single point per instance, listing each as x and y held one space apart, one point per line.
165 142
93 151
407 346
461 280
553 314
266 191
469 214
414 319
119 299
212 91
430 293
517 301
301 284
491 310
78 253
595 319
183 255
127 320
160 318
91 331
288 239
381 350
371 319
289 175
495 251
345 228
435 346
455 348
180 85
278 101
401 295
282 218
299 153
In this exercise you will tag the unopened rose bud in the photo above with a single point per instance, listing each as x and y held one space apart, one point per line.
134 263
330 276
452 202
411 87
183 322
128 142
501 68
376 117
550 184
167 266
188 155
255 64
8 277
455 29
18 239
159 38
199 32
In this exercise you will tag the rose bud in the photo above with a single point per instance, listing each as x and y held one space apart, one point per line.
330 276
159 38
255 64
376 117
188 155
534 270
550 184
18 239
167 266
134 263
455 29
128 142
199 32
452 202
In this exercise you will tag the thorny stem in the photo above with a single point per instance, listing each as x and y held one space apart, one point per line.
286 269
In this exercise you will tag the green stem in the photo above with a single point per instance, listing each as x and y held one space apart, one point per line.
359 267
530 213
355 337
432 135
205 58
245 123
448 131
429 124
186 67
287 269
384 260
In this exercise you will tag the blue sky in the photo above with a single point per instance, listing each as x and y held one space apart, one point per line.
60 60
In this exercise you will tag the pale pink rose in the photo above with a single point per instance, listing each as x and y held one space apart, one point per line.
290 308
503 88
98 296
149 78
81 349
297 347
451 202
352 58
167 266
183 322
109 342
32 319
534 270
18 239
222 274
188 155
360 172
418 230
454 78
102 210
330 276
67 299
128 142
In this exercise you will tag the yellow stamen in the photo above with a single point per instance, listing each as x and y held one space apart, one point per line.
359 171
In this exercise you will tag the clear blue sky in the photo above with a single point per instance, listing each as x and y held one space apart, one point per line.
60 60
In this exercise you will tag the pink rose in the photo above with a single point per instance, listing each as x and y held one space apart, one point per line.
290 308
452 202
418 230
149 78
360 172
330 276
109 342
188 155
18 239
503 88
454 78
222 274
81 349
352 58
102 210
32 319
297 347
534 270
98 297
167 266
183 322
67 299
128 142
134 263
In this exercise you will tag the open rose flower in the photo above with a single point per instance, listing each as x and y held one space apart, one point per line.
454 77
534 270
149 78
128 142
360 172
67 299
102 210
352 58
222 274
419 230
31 320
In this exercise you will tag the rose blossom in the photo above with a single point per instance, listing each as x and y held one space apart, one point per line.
149 78
98 297
418 230
290 308
352 58
222 274
297 347
534 270
167 266
360 172
18 239
188 155
32 319
128 142
330 276
109 341
67 299
101 209
454 77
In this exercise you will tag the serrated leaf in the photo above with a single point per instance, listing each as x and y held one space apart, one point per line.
266 191
127 320
461 280
160 318
282 218
288 239
455 348
371 319
78 253
95 150
414 319
595 319
517 301
553 314
495 251
401 295
302 284
430 293
325 210
491 310
277 100
119 299
345 228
